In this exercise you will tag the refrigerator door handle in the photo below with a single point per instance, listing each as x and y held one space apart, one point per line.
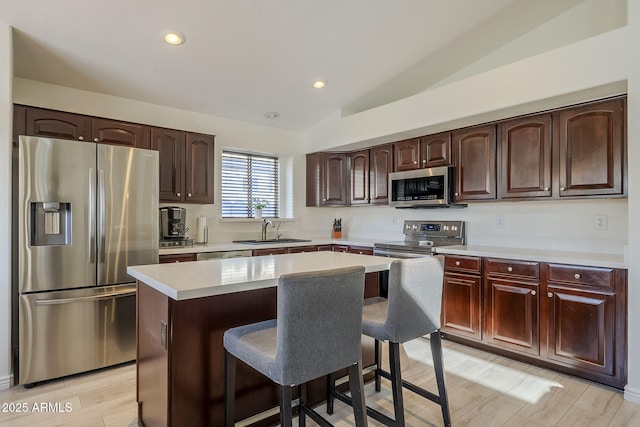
91 215
101 214
84 299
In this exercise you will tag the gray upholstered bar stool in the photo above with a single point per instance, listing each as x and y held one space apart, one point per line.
412 310
318 331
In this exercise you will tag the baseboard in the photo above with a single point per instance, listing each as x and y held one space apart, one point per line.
632 395
6 382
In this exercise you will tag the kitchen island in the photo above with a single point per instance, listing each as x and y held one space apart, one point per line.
183 310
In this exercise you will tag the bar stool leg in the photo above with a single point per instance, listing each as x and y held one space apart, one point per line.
356 384
302 417
230 385
396 383
377 360
331 385
286 415
436 352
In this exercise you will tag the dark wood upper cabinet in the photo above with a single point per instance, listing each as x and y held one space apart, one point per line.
475 150
57 124
406 155
525 146
334 180
360 177
359 194
380 165
112 132
62 125
435 150
327 179
170 145
198 185
591 143
186 165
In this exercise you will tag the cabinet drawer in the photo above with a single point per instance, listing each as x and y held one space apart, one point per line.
462 263
505 267
593 276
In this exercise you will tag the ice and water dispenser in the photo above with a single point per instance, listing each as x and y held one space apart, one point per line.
50 223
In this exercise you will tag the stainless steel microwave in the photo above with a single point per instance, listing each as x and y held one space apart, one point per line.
429 187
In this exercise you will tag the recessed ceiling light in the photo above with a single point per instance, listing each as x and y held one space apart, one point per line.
271 115
174 38
319 84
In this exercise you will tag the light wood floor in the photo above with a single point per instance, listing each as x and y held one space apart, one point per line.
484 390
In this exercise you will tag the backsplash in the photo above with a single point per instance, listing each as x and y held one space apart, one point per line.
560 225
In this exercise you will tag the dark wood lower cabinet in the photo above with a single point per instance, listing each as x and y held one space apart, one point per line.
564 317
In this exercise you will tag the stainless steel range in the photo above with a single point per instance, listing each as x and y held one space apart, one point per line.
422 238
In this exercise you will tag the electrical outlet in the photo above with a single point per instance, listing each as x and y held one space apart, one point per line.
500 222
601 222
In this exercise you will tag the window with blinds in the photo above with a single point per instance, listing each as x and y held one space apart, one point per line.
247 178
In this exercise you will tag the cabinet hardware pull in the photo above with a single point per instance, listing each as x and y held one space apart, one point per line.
96 140
81 138
577 276
455 194
509 269
424 161
546 188
549 294
457 262
533 292
562 188
178 194
188 194
415 162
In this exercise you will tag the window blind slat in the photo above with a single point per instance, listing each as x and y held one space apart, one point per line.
246 177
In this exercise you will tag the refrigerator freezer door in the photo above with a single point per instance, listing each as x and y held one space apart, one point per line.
127 211
63 333
56 188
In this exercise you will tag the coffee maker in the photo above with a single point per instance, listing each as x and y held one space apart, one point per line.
173 220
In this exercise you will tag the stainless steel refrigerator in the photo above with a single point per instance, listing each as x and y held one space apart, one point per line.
85 212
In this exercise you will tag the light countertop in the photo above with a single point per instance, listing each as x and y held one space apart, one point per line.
223 247
187 280
590 259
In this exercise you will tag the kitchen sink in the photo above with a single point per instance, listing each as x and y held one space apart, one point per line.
263 242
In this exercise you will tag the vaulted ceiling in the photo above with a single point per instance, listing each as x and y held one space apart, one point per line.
245 58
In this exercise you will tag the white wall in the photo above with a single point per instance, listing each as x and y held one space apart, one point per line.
6 76
632 392
599 66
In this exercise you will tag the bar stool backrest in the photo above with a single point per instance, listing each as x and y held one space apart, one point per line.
414 298
319 323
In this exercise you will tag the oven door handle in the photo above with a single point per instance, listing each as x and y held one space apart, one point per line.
393 254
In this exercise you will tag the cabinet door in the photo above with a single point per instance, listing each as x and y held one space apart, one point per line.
300 249
591 140
525 157
58 124
360 177
334 179
461 305
198 186
340 248
512 313
113 132
406 155
435 150
360 250
164 259
581 325
170 145
380 164
269 251
475 150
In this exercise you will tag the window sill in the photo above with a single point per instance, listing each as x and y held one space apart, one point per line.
258 219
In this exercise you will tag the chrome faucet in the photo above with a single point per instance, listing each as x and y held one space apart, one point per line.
265 223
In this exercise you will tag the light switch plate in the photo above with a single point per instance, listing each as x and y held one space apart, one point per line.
601 222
